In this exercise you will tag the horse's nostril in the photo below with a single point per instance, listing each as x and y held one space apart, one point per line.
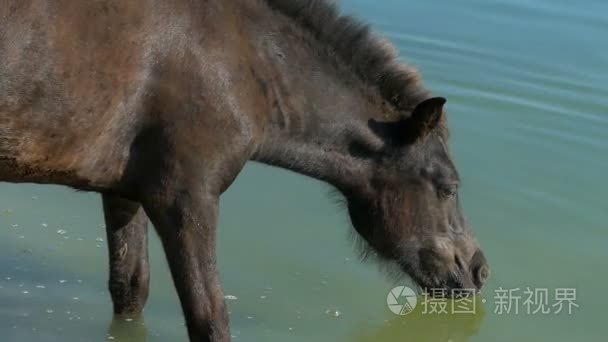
481 274
480 271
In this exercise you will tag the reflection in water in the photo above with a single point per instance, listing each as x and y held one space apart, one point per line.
127 329
422 326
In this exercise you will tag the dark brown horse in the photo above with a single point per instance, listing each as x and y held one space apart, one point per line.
158 105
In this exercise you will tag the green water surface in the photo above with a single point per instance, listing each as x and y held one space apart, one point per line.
528 101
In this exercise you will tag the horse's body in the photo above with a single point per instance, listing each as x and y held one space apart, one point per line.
81 81
158 105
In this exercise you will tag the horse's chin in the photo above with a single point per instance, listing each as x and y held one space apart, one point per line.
442 288
425 284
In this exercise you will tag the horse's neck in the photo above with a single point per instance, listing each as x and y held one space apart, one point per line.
320 115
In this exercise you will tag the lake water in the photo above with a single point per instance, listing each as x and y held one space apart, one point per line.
527 87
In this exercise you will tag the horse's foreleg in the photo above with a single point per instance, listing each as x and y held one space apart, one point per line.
186 225
127 235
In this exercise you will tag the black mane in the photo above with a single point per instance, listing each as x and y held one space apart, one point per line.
372 58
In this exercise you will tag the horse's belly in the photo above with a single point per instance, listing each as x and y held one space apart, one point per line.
79 162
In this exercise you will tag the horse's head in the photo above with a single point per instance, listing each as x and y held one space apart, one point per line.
408 209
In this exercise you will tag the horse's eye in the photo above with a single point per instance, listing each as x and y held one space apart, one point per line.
447 191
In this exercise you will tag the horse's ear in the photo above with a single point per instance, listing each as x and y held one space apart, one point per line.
425 117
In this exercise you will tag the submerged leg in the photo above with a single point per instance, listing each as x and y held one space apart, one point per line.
127 235
186 226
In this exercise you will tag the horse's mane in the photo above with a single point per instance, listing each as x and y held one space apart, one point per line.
372 58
